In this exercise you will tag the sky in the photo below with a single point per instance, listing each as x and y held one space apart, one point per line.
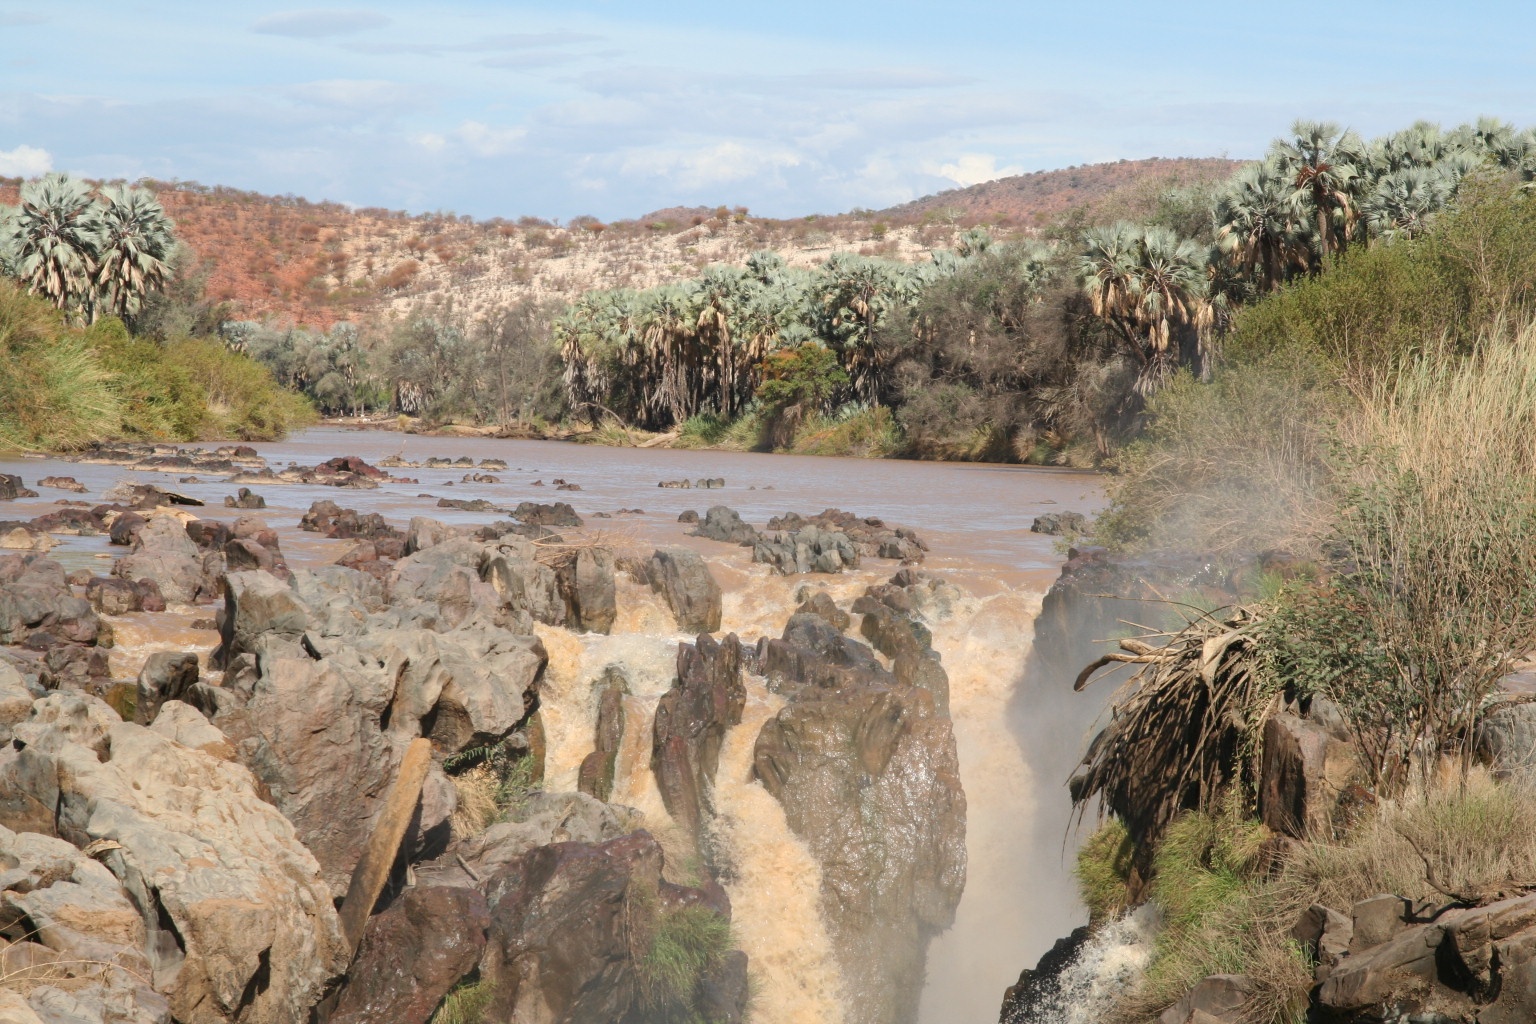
788 107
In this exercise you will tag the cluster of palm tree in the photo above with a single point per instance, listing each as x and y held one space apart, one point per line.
657 357
90 252
660 356
1326 187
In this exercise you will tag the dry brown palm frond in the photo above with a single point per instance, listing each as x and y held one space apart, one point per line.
1181 728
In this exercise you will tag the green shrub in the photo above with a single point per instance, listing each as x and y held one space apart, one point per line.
243 401
466 1003
1238 464
687 942
1103 870
54 390
871 434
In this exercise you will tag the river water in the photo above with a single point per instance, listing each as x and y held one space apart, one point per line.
975 518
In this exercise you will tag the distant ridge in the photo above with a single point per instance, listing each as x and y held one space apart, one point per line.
1039 197
289 259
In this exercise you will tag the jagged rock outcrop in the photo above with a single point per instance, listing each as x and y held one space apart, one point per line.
163 552
871 537
866 769
680 576
588 588
237 924
690 724
326 734
412 953
571 927
595 777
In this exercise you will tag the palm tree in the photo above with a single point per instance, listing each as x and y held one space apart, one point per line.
55 236
1255 224
1317 159
135 250
1150 286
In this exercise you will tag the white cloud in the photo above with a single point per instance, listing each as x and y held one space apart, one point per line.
488 141
705 166
356 94
25 162
315 24
974 168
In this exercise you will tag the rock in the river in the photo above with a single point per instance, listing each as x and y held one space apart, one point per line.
36 600
245 498
559 515
1056 524
867 772
330 520
680 576
167 675
587 585
690 724
571 924
12 488
163 552
237 924
595 777
724 524
412 954
62 483
808 549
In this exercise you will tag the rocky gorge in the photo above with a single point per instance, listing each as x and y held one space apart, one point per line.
333 763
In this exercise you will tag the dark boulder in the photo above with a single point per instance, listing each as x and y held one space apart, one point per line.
690 724
412 954
12 488
1056 524
559 515
245 498
725 525
681 577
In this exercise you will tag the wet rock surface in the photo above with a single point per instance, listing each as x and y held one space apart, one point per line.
867 771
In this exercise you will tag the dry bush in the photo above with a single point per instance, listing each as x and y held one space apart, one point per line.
1477 838
477 808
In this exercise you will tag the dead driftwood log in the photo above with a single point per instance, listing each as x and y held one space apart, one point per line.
1181 728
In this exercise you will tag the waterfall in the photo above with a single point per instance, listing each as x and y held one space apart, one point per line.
775 887
1110 962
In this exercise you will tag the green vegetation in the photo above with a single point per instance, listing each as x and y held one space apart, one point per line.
87 355
1372 418
1226 908
686 943
1060 351
63 386
466 1003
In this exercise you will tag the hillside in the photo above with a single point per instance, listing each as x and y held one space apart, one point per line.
1038 198
290 259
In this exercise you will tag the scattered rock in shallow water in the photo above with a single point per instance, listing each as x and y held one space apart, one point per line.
12 488
690 516
559 515
22 537
245 498
725 525
467 504
163 552
680 484
328 519
63 483
1059 524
